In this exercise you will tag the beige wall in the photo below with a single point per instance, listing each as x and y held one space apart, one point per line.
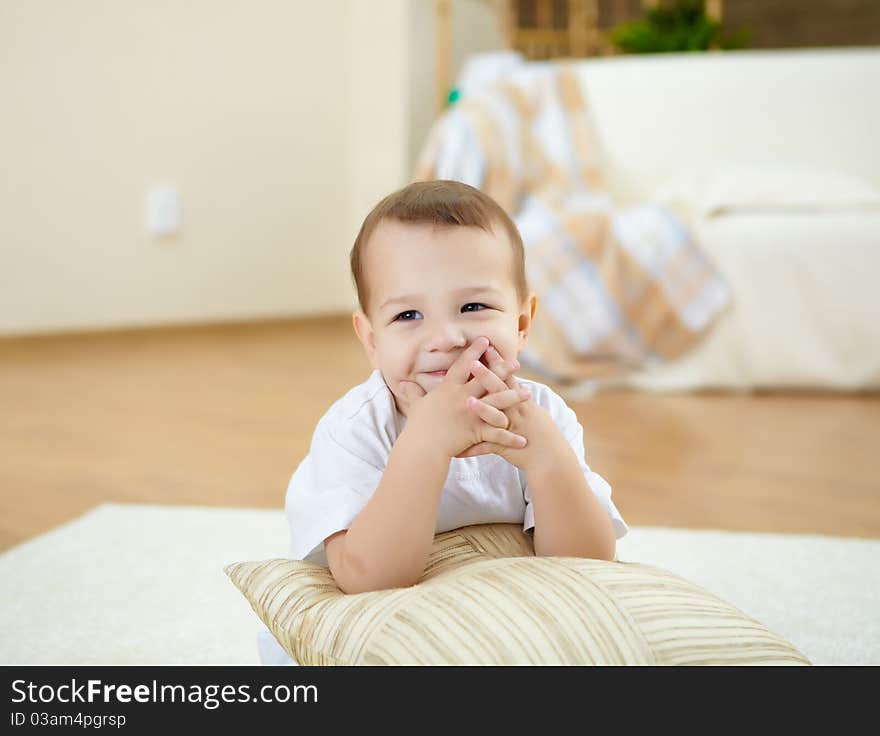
379 93
474 27
266 116
280 123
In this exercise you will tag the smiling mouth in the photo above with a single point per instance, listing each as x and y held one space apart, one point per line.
443 373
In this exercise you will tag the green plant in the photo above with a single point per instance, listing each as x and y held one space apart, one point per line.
682 26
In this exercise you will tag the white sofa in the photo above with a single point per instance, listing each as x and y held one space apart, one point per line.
773 159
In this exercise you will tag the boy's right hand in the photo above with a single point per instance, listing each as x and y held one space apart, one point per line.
442 415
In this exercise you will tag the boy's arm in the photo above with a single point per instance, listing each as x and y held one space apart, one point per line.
387 544
569 520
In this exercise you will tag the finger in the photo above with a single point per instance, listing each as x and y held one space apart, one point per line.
493 359
461 368
502 368
488 414
506 399
487 379
481 448
502 437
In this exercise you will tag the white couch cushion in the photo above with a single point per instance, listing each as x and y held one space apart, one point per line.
766 185
805 310
661 114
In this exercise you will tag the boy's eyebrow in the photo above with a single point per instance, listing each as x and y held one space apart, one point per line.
460 292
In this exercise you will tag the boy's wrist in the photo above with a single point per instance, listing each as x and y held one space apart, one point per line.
546 448
547 462
421 439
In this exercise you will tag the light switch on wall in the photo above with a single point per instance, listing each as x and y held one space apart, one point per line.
163 211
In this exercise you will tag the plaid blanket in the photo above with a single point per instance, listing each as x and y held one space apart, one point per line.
618 289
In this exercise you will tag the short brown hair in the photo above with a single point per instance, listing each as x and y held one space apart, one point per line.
440 202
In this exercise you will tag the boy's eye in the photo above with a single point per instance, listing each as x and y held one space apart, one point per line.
409 314
406 316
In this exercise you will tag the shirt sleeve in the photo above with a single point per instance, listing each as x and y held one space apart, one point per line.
329 489
567 421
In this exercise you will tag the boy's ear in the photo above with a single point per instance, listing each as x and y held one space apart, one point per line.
364 330
526 317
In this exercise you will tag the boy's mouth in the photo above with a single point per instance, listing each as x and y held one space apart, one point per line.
442 373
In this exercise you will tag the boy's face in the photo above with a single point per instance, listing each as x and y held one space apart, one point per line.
432 291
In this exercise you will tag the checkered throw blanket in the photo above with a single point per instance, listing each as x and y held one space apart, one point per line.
618 288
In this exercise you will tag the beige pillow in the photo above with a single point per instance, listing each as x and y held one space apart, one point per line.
486 599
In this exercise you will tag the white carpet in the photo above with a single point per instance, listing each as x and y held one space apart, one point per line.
143 584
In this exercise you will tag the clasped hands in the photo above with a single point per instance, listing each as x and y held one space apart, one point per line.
476 410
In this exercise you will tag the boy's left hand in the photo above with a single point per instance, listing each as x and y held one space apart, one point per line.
525 418
505 395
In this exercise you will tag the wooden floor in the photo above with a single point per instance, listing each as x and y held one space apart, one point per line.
222 415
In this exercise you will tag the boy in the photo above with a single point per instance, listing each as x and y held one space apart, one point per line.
442 435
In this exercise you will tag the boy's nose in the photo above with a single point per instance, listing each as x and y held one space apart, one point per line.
445 338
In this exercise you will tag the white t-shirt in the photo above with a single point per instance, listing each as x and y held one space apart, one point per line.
349 451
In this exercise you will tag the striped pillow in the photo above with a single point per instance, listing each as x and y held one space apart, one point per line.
486 599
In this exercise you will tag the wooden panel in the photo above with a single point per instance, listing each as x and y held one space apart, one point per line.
805 23
222 416
544 29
